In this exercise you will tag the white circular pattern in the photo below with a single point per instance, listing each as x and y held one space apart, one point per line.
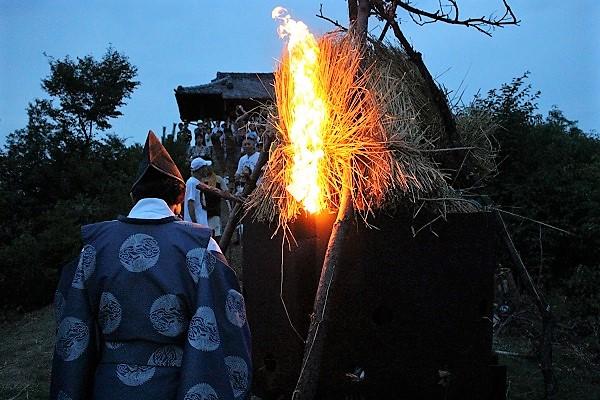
167 315
134 375
200 263
203 333
201 391
237 369
72 338
85 267
109 313
139 252
59 306
167 356
235 309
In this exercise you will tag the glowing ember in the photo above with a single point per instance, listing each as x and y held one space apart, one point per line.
307 113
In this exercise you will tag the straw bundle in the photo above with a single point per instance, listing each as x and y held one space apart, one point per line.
380 122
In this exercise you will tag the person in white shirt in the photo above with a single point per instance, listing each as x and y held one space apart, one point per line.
194 201
246 165
249 159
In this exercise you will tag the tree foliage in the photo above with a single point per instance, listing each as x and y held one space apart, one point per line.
549 171
89 92
55 175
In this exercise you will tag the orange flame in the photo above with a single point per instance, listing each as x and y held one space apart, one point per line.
308 113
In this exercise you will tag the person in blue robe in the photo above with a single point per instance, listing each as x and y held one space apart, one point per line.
151 310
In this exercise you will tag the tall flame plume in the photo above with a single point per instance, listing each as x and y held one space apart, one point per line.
332 132
306 114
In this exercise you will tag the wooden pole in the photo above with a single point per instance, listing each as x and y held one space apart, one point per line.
542 306
218 192
306 386
317 330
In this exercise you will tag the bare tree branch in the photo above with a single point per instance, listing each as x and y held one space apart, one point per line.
383 32
334 22
388 14
450 13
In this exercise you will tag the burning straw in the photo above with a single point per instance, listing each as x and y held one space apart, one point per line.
372 122
352 134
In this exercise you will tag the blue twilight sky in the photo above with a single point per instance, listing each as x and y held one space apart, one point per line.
186 42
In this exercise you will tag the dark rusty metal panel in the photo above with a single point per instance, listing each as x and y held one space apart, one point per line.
277 349
402 308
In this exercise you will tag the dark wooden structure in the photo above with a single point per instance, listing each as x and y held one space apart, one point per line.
218 99
410 316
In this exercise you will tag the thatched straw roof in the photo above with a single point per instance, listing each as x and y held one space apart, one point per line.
218 99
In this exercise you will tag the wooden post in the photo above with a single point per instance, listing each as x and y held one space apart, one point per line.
542 306
306 386
359 27
218 192
317 330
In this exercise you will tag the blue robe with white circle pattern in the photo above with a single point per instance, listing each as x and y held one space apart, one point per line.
147 312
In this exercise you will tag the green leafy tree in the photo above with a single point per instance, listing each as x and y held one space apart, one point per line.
549 171
89 92
56 175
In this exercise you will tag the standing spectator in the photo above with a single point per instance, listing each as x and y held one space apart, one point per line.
240 134
250 157
241 180
218 152
213 202
252 135
199 149
208 142
195 202
246 164
184 132
232 153
197 131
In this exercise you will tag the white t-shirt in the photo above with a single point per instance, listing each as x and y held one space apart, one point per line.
247 161
208 140
191 193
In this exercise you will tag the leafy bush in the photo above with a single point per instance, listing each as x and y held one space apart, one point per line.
548 171
584 312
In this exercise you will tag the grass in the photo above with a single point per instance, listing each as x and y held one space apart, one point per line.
576 381
576 357
25 356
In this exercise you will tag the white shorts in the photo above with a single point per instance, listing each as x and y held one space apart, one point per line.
215 224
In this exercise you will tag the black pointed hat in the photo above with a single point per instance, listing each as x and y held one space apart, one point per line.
156 156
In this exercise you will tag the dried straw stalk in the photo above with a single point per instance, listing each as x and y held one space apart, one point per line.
381 122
